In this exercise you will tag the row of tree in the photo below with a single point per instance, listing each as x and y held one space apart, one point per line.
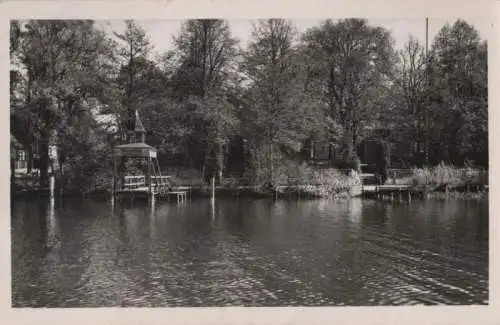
337 83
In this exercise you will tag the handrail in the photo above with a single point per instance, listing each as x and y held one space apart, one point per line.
136 183
134 176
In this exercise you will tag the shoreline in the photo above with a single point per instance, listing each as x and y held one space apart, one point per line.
313 192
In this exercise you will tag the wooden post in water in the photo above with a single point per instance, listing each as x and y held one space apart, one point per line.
52 183
113 181
212 205
149 179
152 207
213 188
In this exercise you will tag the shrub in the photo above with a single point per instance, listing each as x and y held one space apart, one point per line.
447 176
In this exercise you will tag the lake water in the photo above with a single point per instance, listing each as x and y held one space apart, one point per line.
246 252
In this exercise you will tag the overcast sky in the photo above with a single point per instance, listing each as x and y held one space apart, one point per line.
161 32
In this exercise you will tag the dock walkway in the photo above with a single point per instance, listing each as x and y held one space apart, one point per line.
391 191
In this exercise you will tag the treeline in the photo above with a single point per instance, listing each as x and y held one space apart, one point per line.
212 105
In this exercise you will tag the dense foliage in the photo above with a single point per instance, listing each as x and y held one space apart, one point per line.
213 106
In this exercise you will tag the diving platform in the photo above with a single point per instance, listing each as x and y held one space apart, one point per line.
136 186
148 181
143 192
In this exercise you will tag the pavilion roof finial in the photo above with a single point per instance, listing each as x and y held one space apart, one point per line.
139 128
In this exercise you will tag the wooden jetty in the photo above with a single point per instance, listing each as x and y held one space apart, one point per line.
388 191
151 183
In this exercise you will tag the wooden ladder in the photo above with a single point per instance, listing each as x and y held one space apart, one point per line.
160 183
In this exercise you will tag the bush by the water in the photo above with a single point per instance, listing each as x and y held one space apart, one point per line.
306 179
446 177
329 183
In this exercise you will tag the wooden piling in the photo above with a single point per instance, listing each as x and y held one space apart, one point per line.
149 179
113 181
152 200
52 185
213 188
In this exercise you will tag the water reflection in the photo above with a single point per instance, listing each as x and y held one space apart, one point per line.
355 211
248 252
52 226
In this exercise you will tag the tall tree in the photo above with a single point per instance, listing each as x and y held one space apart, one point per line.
409 97
64 63
355 62
203 81
206 51
279 116
132 54
458 91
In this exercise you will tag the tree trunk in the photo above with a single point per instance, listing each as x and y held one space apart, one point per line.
29 158
271 162
203 173
220 162
12 169
44 163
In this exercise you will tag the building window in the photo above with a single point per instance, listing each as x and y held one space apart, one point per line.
21 155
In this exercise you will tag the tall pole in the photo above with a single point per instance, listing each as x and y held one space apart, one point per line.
427 83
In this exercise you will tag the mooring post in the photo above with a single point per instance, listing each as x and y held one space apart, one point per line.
149 178
52 185
113 181
212 205
113 187
152 208
213 188
152 199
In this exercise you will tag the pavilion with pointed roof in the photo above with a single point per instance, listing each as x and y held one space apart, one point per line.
152 182
136 146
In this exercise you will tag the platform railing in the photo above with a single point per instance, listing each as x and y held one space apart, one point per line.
133 182
161 183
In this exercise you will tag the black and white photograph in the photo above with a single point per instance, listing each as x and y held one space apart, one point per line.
267 162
